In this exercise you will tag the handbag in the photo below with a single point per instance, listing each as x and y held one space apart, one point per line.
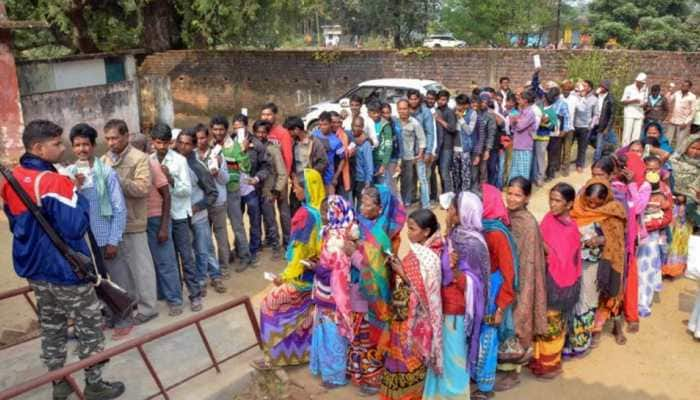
113 296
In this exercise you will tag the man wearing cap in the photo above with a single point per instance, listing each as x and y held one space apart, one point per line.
634 98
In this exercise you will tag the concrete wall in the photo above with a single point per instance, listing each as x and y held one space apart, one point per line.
208 82
94 105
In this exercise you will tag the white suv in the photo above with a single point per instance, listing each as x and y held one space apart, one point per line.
385 90
443 40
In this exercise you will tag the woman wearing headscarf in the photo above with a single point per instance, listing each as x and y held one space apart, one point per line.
286 316
625 174
601 221
530 312
380 220
465 277
503 256
686 174
331 294
562 242
415 329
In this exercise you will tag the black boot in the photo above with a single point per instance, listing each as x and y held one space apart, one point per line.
61 390
103 390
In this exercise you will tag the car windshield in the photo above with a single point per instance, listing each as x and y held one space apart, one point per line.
434 86
363 91
443 37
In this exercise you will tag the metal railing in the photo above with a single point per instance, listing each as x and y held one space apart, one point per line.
138 344
24 292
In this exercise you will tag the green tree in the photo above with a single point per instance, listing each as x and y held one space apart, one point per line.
492 22
645 24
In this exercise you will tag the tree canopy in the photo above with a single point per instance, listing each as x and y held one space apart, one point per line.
646 24
88 26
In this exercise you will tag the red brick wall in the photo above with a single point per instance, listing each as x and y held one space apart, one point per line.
207 82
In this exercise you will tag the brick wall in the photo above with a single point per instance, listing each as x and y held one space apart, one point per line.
208 82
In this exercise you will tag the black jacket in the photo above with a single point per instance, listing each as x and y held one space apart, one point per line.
205 181
607 114
260 163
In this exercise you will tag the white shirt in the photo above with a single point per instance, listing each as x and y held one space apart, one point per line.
636 110
181 190
571 102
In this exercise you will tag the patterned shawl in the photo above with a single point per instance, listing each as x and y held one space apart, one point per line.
611 217
686 170
468 242
530 312
378 237
564 263
340 217
304 238
422 268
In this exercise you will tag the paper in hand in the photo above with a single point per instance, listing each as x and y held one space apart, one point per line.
538 62
269 276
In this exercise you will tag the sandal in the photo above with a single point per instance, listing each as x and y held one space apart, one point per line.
479 395
141 319
632 327
262 365
121 333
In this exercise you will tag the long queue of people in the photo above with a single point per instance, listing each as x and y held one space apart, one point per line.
469 306
333 201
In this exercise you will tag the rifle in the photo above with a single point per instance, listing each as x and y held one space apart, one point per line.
117 299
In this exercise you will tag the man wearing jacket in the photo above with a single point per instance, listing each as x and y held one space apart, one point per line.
132 267
605 110
273 186
446 122
381 154
60 294
204 195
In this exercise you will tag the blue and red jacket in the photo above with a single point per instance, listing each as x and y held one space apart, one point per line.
34 255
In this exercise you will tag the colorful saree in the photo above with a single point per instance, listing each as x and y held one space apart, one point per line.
370 292
611 218
329 341
464 301
415 332
379 237
681 230
286 316
564 268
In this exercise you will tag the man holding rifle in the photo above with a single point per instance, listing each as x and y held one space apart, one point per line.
60 292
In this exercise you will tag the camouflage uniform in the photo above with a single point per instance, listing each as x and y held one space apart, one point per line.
57 303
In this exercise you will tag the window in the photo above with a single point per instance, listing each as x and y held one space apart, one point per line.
363 91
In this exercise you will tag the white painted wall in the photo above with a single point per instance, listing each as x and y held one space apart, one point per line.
80 73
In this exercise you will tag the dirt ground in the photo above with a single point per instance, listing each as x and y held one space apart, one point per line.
660 362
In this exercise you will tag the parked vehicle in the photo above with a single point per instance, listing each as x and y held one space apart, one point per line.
385 90
443 40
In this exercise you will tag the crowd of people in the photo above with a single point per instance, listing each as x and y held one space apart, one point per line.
491 291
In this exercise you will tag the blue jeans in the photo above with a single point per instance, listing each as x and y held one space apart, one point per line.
167 271
251 205
601 140
204 252
423 182
182 238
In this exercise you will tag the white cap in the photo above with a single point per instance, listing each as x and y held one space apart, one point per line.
642 77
